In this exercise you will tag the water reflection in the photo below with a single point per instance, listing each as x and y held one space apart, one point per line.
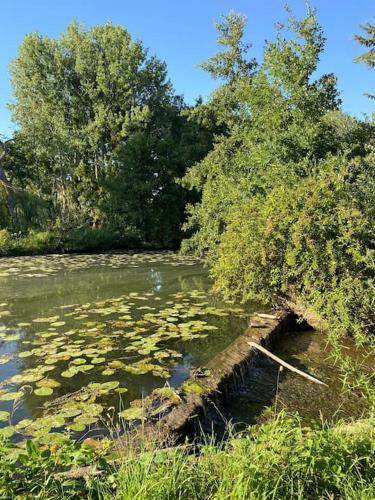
156 279
113 312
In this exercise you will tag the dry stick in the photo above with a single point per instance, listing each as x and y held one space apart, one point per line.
286 365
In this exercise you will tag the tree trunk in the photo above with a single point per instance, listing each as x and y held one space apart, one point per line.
6 182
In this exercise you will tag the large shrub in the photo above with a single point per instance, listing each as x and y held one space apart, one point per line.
288 198
313 236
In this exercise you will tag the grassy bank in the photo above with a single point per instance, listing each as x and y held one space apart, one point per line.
83 239
279 459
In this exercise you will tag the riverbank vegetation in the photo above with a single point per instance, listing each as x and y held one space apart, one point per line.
288 192
101 137
269 181
278 459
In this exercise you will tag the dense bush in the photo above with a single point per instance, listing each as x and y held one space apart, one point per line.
312 236
288 191
68 240
35 242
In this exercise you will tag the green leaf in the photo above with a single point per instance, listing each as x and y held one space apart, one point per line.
4 415
43 391
133 414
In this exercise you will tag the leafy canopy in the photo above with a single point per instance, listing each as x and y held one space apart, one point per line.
103 134
368 41
287 203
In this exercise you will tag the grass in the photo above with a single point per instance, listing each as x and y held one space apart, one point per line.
278 459
73 240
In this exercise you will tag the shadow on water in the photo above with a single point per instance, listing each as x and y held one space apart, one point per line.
266 389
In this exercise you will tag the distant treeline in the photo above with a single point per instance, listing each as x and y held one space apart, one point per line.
101 140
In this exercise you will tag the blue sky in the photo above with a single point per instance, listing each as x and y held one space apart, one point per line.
182 33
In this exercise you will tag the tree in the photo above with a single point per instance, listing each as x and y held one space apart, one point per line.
367 41
102 138
142 192
287 204
77 99
5 184
277 119
230 66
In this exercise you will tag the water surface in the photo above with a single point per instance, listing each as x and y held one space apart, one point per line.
266 388
81 336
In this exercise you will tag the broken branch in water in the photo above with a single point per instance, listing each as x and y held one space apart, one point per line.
286 365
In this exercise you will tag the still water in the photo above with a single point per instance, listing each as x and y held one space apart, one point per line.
267 390
81 336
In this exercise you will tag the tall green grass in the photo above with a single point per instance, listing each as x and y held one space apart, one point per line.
278 459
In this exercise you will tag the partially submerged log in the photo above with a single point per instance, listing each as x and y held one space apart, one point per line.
285 364
267 316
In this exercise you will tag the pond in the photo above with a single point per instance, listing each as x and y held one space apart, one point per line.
81 336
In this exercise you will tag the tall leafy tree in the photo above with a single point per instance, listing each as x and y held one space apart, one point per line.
286 203
142 190
77 99
277 118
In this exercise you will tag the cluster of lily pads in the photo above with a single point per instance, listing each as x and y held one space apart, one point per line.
134 333
37 267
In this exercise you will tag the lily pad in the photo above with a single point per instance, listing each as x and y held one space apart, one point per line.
70 412
43 391
48 382
7 432
4 358
168 393
96 361
69 373
79 361
4 415
133 414
108 372
25 354
58 323
86 420
22 424
192 387
84 368
11 396
78 427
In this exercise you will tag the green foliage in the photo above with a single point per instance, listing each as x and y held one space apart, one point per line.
142 192
231 63
68 240
33 469
4 212
277 120
287 194
35 242
103 238
280 459
310 236
368 41
5 242
101 136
